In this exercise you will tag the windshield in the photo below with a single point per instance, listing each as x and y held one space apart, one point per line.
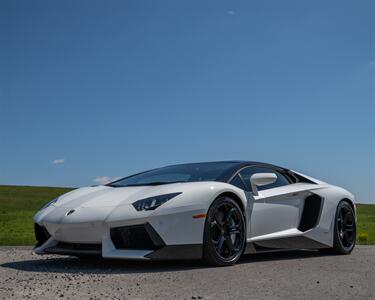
177 173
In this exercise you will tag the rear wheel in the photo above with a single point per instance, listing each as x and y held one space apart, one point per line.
224 233
344 235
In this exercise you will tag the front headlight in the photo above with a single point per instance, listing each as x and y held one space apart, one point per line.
153 202
49 203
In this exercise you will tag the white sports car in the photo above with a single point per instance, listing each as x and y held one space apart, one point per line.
216 211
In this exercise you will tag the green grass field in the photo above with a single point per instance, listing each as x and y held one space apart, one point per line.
18 204
366 224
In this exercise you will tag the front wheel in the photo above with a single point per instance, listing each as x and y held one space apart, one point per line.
224 233
344 235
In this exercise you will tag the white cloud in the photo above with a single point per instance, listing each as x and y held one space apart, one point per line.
231 12
59 161
102 180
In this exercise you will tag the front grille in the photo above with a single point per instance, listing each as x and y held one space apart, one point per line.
142 237
41 234
75 249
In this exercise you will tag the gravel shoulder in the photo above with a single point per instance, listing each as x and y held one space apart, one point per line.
293 275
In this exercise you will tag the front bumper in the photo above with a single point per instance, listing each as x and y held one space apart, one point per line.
169 235
126 242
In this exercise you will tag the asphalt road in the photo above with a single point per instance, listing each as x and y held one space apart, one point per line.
286 275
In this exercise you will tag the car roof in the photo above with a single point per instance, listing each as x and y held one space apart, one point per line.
235 166
237 163
229 170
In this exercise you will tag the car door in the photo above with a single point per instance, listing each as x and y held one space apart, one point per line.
277 207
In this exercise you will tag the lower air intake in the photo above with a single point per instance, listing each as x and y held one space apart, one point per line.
75 249
141 237
41 234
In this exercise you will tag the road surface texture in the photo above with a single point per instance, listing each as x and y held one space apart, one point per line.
286 275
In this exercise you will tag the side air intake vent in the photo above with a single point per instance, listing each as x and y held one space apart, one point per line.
311 212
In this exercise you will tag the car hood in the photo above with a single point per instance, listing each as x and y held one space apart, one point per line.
99 203
106 196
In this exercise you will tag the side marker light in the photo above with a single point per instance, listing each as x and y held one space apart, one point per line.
199 216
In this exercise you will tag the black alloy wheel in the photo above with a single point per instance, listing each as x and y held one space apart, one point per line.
225 235
346 227
345 230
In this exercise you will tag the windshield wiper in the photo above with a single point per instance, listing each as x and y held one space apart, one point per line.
146 184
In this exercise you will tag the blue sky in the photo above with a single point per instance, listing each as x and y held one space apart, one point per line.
92 89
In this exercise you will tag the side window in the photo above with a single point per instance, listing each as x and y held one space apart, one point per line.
237 181
248 172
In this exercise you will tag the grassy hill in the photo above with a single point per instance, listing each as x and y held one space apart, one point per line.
18 204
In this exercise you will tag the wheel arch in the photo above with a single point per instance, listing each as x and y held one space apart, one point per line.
235 198
351 203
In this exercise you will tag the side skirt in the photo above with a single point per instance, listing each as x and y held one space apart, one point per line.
288 243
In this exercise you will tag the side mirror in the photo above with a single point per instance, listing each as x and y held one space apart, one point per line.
259 179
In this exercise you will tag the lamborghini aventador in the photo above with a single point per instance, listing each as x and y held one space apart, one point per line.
215 211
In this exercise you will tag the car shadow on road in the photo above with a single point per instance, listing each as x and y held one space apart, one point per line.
72 265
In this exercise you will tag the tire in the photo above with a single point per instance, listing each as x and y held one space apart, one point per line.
344 234
224 237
